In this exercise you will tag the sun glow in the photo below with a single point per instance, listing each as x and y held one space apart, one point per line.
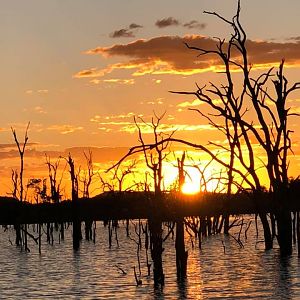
192 182
189 187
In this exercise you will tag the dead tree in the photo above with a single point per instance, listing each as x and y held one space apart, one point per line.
15 186
268 128
21 149
55 183
20 231
154 160
181 254
154 157
86 178
118 178
55 186
77 236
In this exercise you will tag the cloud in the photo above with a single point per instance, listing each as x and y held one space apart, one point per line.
147 128
122 33
170 21
93 72
195 102
194 25
125 123
98 118
134 26
44 91
65 129
130 81
41 91
169 55
157 101
119 81
126 32
130 127
159 55
39 110
294 38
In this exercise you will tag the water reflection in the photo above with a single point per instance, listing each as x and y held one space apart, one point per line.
284 279
182 288
90 273
158 293
76 284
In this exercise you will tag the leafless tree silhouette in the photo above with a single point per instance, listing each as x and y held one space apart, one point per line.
269 127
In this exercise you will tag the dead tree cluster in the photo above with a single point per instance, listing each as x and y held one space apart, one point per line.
266 96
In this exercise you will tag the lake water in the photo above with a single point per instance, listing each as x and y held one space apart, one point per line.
92 273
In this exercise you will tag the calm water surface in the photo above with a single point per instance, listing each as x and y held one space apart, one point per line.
91 273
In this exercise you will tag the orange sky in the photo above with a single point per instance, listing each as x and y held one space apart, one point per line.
80 71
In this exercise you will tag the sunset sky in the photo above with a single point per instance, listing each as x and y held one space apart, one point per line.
80 70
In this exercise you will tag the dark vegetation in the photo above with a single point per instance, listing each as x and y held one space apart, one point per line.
277 206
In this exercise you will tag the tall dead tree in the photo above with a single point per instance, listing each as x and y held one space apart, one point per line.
55 187
181 254
77 236
21 149
154 157
55 183
87 179
154 160
19 186
269 126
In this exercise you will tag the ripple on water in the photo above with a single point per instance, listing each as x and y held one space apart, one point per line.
91 273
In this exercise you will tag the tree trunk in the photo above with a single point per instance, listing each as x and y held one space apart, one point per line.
62 231
298 232
155 227
284 229
267 232
77 236
181 254
284 221
88 230
76 233
18 234
226 223
258 197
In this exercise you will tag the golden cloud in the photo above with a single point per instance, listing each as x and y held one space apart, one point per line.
169 55
119 81
98 119
130 127
147 129
195 102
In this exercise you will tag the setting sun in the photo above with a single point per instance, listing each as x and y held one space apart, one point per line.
190 187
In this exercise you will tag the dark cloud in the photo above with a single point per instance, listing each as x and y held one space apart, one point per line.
294 38
167 22
134 26
103 154
194 25
126 32
122 33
